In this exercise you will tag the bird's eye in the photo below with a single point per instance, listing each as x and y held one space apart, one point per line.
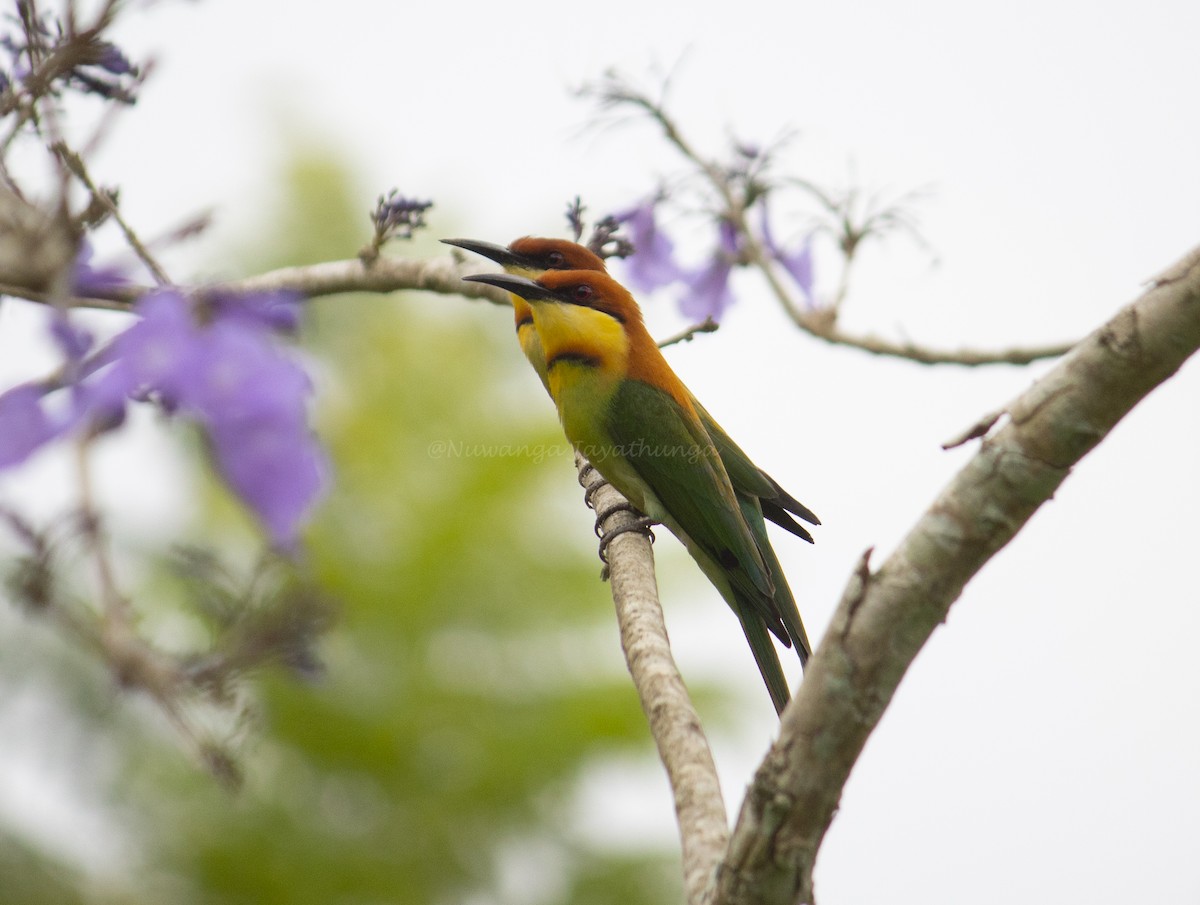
582 293
556 260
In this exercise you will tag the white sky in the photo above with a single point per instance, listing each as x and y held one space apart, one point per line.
1044 746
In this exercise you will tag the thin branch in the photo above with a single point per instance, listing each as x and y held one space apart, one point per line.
682 746
444 276
385 274
115 604
106 199
820 326
886 616
821 323
708 325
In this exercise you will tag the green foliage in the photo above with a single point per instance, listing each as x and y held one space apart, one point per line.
32 879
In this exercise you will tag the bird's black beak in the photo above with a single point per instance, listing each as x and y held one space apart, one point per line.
497 253
526 289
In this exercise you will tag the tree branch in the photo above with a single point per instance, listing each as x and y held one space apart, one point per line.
821 322
384 274
682 745
444 275
821 325
708 325
886 616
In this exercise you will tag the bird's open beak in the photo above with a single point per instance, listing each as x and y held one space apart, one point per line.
526 289
497 253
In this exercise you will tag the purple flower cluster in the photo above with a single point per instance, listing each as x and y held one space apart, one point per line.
706 292
227 373
398 217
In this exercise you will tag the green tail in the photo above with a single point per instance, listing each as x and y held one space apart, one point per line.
757 634
765 655
785 603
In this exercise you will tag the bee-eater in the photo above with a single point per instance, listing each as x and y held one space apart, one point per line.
531 257
623 407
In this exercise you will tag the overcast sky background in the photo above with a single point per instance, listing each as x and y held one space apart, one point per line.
1044 746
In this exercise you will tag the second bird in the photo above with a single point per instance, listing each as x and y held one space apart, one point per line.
623 407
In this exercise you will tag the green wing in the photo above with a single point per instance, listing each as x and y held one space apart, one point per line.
675 458
746 477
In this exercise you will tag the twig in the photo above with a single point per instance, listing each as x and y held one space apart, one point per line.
821 323
824 328
74 163
708 325
885 617
385 274
682 746
116 605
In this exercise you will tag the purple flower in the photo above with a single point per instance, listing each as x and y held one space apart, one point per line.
112 60
278 310
653 262
707 293
398 217
273 463
229 375
24 424
798 263
155 355
251 398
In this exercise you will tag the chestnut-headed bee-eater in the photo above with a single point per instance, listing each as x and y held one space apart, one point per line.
531 257
623 407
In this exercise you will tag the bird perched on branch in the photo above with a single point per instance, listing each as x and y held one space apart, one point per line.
623 408
531 257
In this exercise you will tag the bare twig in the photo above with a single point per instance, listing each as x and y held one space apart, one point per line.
886 616
820 323
107 200
708 325
385 274
682 746
824 328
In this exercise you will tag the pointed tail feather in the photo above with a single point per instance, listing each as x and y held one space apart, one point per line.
784 602
780 517
765 656
785 500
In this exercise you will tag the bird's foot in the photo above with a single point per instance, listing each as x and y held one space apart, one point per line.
642 524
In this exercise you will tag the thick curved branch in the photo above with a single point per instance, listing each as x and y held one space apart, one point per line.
682 745
886 616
